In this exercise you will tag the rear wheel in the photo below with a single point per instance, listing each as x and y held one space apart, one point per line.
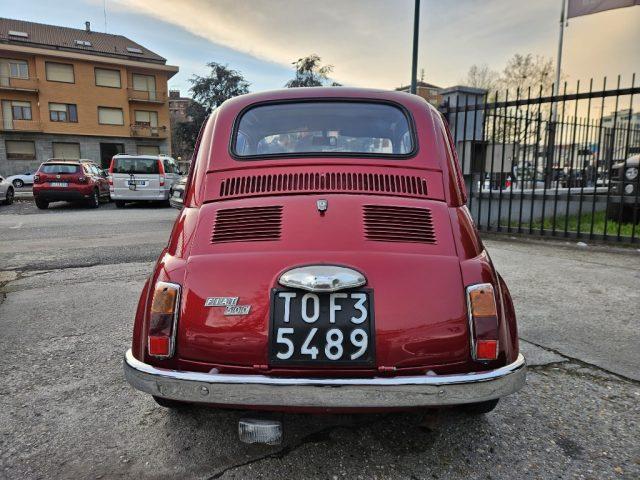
119 204
172 404
8 200
94 201
41 204
18 183
479 408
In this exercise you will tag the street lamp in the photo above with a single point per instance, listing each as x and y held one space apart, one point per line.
414 61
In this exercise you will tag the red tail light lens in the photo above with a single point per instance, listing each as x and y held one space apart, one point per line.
483 321
163 319
161 181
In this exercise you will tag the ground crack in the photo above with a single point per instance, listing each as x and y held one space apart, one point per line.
582 363
315 437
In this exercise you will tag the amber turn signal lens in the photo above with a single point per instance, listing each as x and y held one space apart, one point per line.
164 298
482 301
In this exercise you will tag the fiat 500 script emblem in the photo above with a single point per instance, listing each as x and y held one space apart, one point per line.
230 305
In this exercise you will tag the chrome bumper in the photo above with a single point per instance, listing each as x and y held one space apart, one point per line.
260 390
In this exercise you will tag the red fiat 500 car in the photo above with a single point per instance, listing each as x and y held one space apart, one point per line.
325 260
71 181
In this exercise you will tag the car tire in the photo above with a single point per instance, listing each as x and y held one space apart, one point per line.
94 201
171 404
119 204
8 200
41 204
479 408
18 183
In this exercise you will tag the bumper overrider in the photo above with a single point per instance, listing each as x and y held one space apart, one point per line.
263 391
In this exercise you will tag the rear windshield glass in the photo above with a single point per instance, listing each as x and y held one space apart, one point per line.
323 128
135 165
59 168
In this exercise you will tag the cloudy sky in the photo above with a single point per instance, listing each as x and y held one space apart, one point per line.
368 41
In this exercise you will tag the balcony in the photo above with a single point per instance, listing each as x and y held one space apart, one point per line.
18 84
141 130
147 96
20 125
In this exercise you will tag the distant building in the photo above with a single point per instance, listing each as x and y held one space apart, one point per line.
431 93
620 135
76 93
178 106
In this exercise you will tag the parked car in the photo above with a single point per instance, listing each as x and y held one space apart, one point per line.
134 178
624 200
176 197
79 181
21 180
6 191
324 261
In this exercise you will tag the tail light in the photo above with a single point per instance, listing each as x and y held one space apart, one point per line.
36 179
161 170
163 319
111 166
483 321
82 179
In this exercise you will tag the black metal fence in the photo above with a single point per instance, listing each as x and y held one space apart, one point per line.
563 165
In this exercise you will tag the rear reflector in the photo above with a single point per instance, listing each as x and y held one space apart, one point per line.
483 322
159 346
163 317
486 349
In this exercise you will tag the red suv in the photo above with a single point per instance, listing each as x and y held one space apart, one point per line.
71 181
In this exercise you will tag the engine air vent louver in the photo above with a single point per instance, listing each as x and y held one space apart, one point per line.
386 184
398 224
252 224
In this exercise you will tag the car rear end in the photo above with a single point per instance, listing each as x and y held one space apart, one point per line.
61 180
137 178
339 274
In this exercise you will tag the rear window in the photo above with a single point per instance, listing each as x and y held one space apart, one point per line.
135 165
59 168
323 128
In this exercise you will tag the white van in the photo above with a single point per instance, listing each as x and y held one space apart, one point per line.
135 178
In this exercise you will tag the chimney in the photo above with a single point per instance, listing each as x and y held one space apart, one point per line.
87 26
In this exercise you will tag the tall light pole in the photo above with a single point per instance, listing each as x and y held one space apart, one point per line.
414 60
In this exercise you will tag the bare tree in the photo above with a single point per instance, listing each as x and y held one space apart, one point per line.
481 76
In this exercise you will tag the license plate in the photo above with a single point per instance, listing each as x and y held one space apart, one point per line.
139 183
59 184
322 328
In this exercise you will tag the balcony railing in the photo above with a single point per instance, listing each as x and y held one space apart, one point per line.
147 131
20 125
154 96
14 83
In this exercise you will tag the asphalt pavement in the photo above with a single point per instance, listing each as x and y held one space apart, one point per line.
69 281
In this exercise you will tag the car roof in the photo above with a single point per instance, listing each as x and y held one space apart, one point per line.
151 157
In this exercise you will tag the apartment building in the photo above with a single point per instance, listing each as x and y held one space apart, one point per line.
431 93
76 93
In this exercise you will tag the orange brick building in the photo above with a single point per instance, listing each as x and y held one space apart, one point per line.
73 93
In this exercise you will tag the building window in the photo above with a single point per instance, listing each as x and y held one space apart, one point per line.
148 119
144 83
21 110
63 112
110 116
20 150
148 150
13 69
59 72
67 151
108 78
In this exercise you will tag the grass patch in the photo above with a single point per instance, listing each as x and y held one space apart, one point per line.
585 224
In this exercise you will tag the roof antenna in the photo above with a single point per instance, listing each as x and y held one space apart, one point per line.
104 11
